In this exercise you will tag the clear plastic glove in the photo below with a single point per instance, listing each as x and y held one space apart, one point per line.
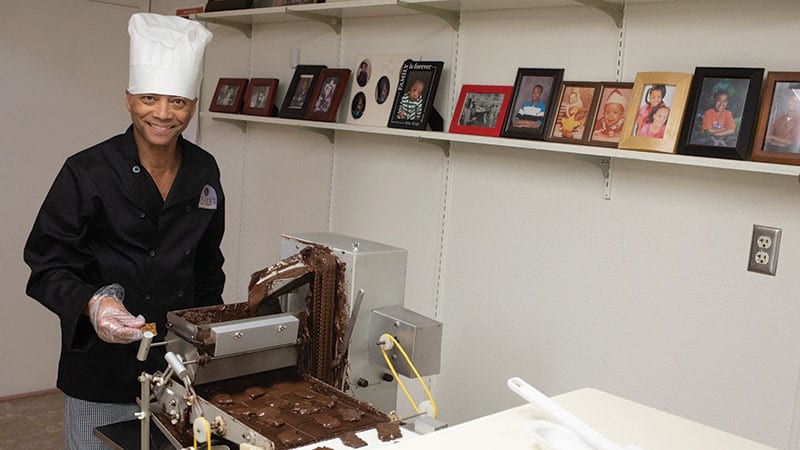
111 320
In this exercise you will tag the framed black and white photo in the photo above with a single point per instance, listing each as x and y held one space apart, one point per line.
721 112
414 95
533 101
229 95
259 99
299 94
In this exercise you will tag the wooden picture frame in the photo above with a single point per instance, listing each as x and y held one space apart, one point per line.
576 105
229 95
327 95
481 109
609 117
259 99
655 113
721 112
415 94
778 131
299 94
530 110
227 5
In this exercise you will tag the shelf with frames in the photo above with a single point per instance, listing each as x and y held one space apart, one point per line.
332 13
603 157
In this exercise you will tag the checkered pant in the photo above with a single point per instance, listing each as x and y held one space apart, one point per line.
81 417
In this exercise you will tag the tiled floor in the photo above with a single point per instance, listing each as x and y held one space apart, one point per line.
32 422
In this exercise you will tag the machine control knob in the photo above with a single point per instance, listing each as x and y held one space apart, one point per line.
387 377
362 383
238 335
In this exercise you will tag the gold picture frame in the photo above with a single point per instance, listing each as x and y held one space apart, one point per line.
654 116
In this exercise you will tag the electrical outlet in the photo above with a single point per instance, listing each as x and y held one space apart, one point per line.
764 250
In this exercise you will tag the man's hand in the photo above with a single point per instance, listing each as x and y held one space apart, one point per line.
112 322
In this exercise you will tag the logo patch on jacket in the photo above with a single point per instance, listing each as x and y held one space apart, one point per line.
208 198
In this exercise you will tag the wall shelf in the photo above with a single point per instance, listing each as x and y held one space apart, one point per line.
444 141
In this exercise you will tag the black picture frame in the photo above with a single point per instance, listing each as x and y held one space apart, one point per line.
227 5
719 121
302 86
422 77
523 118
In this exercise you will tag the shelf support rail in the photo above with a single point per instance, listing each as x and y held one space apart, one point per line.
331 21
614 10
453 18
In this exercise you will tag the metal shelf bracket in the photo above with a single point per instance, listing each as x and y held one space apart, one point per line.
453 18
328 133
614 10
242 124
444 145
333 22
606 165
245 28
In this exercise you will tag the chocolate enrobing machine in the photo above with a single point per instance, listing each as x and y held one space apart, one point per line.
296 363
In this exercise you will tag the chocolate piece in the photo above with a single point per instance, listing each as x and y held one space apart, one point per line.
305 407
255 392
327 421
351 440
322 448
350 414
291 437
222 399
326 401
388 431
270 416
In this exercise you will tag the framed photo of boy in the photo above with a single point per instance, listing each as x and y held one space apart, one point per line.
481 109
328 95
534 98
229 95
299 94
259 99
576 107
721 112
609 119
415 93
778 132
655 111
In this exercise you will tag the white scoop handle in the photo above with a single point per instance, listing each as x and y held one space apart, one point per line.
561 415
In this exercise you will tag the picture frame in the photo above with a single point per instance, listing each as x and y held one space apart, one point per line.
655 112
530 111
777 138
372 86
577 102
609 117
229 95
327 95
721 112
481 109
302 86
414 96
272 3
227 5
259 98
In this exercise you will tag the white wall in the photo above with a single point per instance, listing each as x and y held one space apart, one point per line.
533 273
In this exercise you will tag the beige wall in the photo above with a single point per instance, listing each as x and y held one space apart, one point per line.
532 272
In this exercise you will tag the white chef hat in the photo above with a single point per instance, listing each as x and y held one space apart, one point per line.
166 55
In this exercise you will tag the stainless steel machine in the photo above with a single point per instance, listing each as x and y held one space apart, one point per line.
296 363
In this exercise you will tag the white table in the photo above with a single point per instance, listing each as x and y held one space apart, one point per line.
620 420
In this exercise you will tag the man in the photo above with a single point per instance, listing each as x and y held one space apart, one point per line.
130 229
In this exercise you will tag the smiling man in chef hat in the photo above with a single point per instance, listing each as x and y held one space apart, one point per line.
130 229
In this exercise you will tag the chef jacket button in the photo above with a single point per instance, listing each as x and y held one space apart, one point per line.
141 214
180 294
188 208
188 252
136 169
147 297
152 253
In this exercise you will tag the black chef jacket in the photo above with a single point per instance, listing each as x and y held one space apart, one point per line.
103 222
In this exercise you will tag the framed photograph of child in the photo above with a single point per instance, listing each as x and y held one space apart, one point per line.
259 99
609 119
229 95
481 109
576 107
414 94
721 112
299 94
530 111
778 131
653 119
328 95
